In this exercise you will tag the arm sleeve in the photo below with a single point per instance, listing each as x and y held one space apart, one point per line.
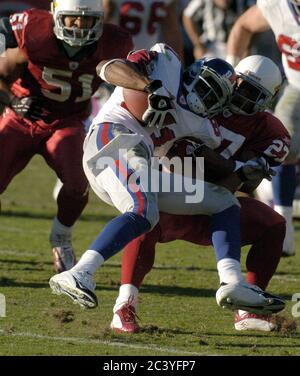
7 32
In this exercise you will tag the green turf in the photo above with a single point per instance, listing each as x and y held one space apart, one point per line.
177 308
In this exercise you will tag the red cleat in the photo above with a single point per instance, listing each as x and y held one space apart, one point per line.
250 321
124 320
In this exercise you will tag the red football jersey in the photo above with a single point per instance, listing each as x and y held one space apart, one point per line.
262 133
65 84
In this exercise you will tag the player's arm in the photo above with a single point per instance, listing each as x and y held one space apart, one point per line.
234 183
12 64
190 26
129 75
109 7
244 175
242 32
124 73
171 31
218 166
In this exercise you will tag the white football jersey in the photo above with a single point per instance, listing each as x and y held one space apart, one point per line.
166 67
141 18
285 24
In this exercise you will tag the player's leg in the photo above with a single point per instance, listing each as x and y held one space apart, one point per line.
260 226
234 292
111 172
98 100
264 229
223 207
137 260
284 183
63 153
16 148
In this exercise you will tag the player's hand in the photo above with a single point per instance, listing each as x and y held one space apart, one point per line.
257 168
27 107
160 106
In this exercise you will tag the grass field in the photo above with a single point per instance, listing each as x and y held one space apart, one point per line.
178 312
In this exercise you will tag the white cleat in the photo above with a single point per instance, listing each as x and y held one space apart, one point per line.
79 286
250 321
63 258
250 298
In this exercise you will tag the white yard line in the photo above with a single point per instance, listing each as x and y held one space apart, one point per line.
85 341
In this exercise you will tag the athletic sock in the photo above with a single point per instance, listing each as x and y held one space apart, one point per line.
226 237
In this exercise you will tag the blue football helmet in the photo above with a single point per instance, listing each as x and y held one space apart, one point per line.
209 84
296 6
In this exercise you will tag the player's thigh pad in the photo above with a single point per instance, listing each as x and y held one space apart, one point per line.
287 110
114 158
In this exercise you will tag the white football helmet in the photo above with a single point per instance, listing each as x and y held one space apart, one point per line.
73 35
258 81
209 84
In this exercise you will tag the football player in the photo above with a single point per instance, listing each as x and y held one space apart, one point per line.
246 130
283 17
176 108
47 78
148 21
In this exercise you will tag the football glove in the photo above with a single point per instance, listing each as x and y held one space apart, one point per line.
257 168
27 107
160 106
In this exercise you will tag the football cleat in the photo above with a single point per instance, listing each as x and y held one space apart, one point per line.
251 321
79 286
63 258
248 298
124 320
